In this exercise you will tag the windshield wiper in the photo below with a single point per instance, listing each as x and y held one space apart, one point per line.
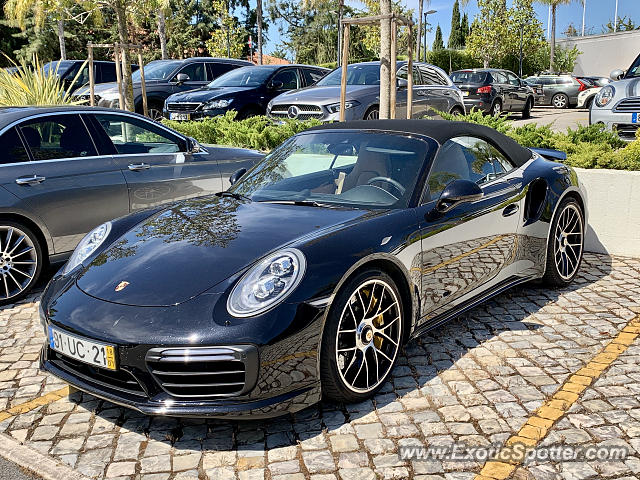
303 203
237 196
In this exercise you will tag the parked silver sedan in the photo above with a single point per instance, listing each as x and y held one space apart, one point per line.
617 105
433 90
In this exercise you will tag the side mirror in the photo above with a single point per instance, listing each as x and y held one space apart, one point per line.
617 75
277 85
181 78
235 176
193 146
402 83
457 193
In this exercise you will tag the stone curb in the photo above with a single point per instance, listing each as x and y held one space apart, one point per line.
35 462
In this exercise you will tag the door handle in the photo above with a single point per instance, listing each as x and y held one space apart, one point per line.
136 167
510 210
30 180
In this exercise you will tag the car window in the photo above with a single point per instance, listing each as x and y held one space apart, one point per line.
62 136
289 78
134 136
500 77
512 79
465 158
431 76
402 73
12 148
312 76
195 71
106 72
214 70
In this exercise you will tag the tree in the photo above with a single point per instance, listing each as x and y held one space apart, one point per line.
624 24
228 40
259 21
162 33
438 43
488 32
554 7
419 42
571 31
464 29
455 36
385 61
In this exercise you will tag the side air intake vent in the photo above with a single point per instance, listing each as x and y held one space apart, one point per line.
536 195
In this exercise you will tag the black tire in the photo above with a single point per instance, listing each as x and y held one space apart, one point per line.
154 110
496 108
372 113
560 101
526 113
589 103
456 111
553 275
334 386
10 290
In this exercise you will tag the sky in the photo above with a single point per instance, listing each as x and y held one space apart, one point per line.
598 13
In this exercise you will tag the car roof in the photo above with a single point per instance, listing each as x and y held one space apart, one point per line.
9 115
440 131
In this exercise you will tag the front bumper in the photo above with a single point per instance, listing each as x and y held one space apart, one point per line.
281 364
622 123
197 115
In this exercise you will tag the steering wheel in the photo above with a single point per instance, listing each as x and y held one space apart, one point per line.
394 183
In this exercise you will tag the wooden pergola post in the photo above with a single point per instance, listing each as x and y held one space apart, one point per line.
92 80
394 19
145 110
116 54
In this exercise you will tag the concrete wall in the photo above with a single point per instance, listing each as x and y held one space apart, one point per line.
603 53
614 211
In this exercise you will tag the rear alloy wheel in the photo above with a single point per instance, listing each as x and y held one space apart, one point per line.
566 244
372 114
362 338
20 261
457 111
496 108
560 100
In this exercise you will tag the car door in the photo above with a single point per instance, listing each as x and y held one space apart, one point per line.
70 186
516 92
154 161
197 74
469 248
420 102
501 85
285 80
435 89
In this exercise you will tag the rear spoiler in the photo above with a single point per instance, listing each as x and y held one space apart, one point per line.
549 154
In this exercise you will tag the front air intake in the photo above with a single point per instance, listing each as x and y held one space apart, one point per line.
202 372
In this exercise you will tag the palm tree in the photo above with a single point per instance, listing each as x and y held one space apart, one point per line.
259 21
554 5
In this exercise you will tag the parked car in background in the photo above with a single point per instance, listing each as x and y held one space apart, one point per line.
494 91
559 91
164 78
586 97
75 73
617 105
246 90
67 169
595 81
433 89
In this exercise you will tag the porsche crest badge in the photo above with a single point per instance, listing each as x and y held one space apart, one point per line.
122 285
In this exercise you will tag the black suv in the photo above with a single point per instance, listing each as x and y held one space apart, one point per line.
163 78
103 72
246 90
494 91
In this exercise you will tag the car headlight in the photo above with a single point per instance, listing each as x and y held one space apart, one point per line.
605 95
215 104
267 283
87 246
335 107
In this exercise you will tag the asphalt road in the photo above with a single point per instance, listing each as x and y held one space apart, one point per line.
558 119
10 471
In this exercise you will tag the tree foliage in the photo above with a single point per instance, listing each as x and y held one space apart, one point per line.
488 32
456 36
438 43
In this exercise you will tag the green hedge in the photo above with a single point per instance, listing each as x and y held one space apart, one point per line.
586 147
259 133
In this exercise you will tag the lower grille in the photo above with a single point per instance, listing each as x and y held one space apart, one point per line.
628 105
626 131
204 371
183 107
120 380
299 112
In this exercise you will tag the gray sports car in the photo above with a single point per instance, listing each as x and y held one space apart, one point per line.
433 89
65 170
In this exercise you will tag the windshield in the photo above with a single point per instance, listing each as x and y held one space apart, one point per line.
156 71
460 78
634 70
243 77
62 66
352 169
363 74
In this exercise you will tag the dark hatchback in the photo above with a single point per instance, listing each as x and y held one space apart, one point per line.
245 90
75 73
494 91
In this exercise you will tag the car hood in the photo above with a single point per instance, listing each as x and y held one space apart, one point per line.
205 94
627 87
329 94
190 247
111 87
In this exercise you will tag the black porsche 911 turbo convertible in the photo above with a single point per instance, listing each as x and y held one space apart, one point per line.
306 278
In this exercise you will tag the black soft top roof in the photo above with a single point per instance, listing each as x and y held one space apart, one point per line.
440 131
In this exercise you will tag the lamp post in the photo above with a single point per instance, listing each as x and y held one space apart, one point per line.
430 12
615 20
584 12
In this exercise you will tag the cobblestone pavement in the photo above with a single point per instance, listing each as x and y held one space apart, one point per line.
475 380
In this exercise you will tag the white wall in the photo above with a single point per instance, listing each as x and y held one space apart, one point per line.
613 202
603 53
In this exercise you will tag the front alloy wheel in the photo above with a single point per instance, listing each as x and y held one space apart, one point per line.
20 261
362 338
